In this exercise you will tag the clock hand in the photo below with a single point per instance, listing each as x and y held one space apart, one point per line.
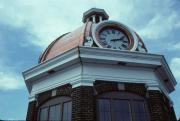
118 39
122 38
115 40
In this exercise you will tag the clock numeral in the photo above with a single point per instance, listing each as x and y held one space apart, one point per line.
113 31
108 46
124 45
107 31
118 32
102 38
103 34
104 42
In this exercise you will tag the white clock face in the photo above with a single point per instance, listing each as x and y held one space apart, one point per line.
113 38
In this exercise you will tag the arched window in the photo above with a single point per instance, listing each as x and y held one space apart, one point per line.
121 106
57 109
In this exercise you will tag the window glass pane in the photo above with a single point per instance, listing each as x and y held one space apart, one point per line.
52 110
43 114
104 110
54 113
67 109
140 111
121 110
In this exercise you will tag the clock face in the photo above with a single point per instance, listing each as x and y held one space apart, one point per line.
113 38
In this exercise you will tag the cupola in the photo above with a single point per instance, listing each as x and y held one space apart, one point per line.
95 15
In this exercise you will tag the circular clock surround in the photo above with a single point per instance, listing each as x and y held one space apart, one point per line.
110 34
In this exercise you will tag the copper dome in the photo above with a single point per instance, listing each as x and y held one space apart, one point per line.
66 42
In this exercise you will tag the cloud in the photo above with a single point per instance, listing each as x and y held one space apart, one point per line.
175 46
160 26
49 19
178 24
15 56
175 66
9 80
45 19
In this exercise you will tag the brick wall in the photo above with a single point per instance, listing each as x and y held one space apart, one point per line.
106 86
138 89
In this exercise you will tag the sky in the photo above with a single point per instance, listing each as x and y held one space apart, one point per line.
27 27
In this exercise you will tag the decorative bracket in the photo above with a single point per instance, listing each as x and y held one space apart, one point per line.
88 42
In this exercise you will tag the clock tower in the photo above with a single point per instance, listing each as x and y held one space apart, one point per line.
101 71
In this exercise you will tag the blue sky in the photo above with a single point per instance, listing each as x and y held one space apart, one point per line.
28 26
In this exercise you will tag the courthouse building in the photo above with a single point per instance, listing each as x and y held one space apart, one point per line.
101 71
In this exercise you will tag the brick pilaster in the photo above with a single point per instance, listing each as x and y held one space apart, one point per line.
31 113
155 102
83 104
159 107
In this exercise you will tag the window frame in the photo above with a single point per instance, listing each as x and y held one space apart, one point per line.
53 102
122 95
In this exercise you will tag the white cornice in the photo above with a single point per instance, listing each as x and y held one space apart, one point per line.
130 58
87 53
98 55
59 62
